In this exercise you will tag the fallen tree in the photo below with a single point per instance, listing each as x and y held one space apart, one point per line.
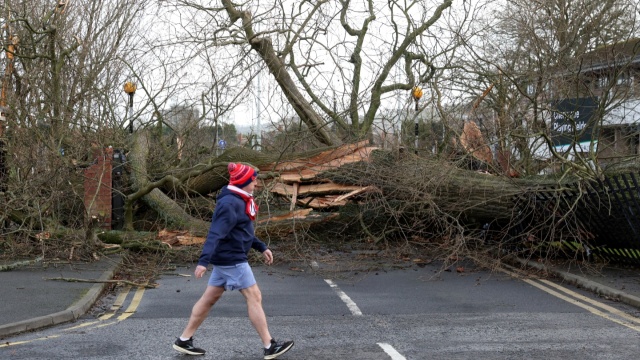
389 194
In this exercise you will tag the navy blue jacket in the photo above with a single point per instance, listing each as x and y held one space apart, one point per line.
231 234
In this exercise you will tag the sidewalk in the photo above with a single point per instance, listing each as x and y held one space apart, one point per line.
29 301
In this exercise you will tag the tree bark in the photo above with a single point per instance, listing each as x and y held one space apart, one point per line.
434 185
168 209
218 176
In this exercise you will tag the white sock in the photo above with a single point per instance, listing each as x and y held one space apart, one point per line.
183 339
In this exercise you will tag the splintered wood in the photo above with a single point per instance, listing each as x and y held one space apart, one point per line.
474 143
301 183
173 238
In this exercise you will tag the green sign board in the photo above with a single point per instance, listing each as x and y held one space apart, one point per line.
571 121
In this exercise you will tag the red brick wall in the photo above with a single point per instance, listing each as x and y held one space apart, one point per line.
97 189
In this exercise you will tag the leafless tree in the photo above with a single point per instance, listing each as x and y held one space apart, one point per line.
532 54
335 63
61 97
335 70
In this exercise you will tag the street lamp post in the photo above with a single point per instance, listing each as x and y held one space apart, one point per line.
130 89
416 94
3 120
3 166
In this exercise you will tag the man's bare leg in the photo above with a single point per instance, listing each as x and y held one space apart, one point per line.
256 313
201 309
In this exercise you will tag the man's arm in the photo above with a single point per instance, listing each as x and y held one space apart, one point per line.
224 219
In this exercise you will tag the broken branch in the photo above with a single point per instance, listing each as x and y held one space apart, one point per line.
126 282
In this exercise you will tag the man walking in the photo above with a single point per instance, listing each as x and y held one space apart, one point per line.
228 242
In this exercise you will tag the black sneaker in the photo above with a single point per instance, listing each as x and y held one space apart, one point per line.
186 347
277 348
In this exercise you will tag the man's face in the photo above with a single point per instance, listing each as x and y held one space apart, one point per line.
252 185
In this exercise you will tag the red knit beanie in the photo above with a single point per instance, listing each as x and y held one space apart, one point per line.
241 175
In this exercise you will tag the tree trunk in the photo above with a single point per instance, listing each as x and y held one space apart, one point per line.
415 188
168 209
217 177
264 47
439 188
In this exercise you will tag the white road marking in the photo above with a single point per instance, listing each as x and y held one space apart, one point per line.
391 352
355 311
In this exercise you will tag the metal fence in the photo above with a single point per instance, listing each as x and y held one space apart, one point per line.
595 218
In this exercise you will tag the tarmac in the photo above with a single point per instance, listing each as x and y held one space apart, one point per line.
31 300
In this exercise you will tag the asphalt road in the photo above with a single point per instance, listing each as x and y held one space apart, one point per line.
412 313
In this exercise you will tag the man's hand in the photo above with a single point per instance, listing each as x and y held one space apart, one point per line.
268 257
200 270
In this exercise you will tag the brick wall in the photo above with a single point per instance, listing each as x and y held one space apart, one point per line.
97 188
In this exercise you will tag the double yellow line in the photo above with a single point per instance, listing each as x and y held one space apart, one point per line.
103 319
131 309
593 306
117 305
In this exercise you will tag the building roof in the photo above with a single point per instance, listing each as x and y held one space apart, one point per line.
623 53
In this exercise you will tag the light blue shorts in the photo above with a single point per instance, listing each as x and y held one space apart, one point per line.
234 277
